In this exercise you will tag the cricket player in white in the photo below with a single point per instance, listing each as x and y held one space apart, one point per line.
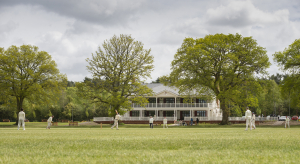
287 122
116 121
49 122
21 119
165 121
248 119
253 120
151 122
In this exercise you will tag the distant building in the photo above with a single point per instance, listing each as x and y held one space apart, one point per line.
166 102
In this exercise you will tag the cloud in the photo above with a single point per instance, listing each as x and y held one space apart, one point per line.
244 13
7 28
104 12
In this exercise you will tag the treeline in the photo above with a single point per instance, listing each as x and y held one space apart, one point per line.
224 67
271 98
67 103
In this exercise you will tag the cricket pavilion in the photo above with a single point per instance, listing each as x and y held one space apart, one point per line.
167 102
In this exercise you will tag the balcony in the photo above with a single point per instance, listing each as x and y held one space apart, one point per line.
175 105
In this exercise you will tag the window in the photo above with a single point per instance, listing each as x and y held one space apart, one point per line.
169 113
201 113
185 113
149 113
135 113
170 100
152 100
201 101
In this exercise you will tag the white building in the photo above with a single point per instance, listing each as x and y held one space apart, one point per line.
166 102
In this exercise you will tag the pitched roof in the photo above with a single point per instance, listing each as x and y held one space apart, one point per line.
158 88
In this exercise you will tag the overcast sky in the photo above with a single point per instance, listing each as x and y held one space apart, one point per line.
71 30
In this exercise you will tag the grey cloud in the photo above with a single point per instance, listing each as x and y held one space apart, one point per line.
243 13
104 12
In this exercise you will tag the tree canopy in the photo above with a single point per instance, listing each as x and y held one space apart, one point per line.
119 66
221 63
26 73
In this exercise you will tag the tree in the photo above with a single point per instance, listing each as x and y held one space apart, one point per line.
120 66
289 61
27 73
221 63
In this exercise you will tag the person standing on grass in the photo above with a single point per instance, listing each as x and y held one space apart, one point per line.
116 121
21 119
49 121
197 121
165 121
151 122
248 118
191 123
253 120
287 122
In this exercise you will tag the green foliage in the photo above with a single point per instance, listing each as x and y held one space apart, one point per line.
220 65
15 115
49 114
118 69
26 73
289 61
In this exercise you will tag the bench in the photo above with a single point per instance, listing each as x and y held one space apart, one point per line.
26 120
73 123
54 124
6 120
65 120
44 120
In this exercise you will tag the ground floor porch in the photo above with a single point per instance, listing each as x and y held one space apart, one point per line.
173 114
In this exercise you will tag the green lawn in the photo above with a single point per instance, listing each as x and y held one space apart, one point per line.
143 145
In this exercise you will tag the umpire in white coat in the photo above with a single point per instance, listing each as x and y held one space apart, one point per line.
248 119
21 119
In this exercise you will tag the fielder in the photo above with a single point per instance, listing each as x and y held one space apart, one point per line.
151 122
49 122
253 120
165 122
248 118
21 119
287 121
116 121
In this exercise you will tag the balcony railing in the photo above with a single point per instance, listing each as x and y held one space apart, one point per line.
175 105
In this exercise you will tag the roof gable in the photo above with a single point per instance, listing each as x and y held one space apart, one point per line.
166 93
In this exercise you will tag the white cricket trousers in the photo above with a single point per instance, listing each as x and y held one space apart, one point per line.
165 124
288 123
253 124
248 123
21 121
49 124
115 124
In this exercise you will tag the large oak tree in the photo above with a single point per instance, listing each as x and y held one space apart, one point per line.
221 63
26 73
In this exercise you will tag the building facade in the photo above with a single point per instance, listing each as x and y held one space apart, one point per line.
166 102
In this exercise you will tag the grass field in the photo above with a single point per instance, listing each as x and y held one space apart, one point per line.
143 145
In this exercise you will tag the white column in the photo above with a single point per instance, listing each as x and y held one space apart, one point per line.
174 115
175 104
141 113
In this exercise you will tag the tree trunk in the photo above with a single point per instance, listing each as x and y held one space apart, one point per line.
19 106
225 112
